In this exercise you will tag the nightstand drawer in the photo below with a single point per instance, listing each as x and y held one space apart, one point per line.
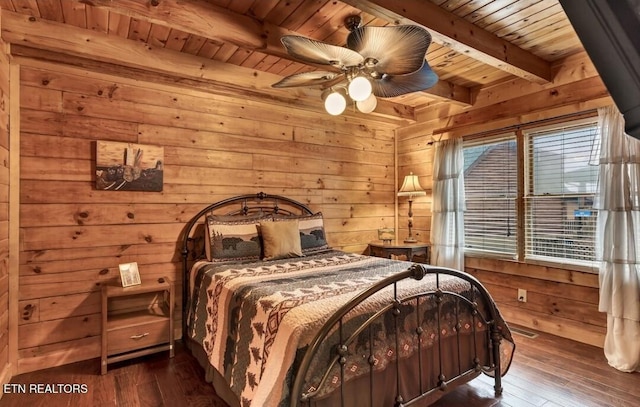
138 336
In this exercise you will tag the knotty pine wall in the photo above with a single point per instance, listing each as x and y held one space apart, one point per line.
5 365
561 301
215 146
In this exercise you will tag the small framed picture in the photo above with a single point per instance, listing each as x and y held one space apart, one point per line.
386 235
129 274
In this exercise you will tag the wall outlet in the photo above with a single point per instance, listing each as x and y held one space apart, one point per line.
522 295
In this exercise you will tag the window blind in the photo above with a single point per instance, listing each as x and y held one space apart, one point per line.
561 182
490 177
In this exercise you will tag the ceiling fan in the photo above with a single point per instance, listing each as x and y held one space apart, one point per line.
377 61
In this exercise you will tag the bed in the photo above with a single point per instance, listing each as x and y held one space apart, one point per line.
276 317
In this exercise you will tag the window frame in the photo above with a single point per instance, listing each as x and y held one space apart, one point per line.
520 134
530 197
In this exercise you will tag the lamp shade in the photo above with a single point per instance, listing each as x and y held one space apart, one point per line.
359 88
335 102
368 105
411 186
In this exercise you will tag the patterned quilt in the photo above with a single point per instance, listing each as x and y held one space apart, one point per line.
252 319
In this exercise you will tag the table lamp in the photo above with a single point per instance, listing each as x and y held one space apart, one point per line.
411 187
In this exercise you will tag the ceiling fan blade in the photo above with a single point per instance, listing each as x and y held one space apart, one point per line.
314 78
396 85
316 52
399 50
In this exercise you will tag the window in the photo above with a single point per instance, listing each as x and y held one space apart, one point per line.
553 219
562 178
490 177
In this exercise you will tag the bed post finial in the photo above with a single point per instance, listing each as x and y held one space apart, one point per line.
418 271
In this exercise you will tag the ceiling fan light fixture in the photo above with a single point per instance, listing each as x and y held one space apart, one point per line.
335 102
360 88
368 105
376 62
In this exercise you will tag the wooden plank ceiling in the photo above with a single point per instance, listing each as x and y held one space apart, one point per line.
475 42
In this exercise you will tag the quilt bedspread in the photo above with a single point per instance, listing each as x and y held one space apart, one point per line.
252 319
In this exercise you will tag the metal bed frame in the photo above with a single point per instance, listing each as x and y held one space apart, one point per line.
245 205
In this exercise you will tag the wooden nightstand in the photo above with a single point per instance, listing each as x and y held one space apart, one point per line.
136 320
410 250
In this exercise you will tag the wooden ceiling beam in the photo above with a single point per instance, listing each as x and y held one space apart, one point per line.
220 25
203 19
456 33
33 32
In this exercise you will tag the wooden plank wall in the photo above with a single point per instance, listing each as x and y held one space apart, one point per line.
560 301
5 366
415 154
215 146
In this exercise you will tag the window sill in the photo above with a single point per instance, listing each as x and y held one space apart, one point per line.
536 262
564 266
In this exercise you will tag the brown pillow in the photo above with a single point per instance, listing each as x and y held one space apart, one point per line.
280 239
312 235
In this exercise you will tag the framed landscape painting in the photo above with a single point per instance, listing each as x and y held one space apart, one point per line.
129 167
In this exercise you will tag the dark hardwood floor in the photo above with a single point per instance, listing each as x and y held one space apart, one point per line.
546 372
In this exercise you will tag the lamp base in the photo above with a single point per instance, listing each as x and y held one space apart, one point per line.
410 240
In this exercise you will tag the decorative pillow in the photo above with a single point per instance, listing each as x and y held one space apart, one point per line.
232 239
312 236
281 239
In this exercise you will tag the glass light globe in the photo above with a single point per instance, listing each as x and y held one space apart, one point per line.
368 105
359 88
335 104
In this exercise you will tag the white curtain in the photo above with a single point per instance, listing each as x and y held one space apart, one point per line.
447 220
618 240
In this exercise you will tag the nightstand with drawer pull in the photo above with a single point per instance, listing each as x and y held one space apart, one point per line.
136 320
